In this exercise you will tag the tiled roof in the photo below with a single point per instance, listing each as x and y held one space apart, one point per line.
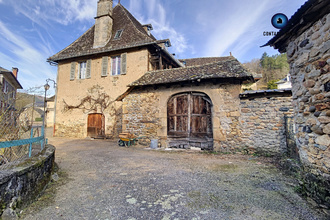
228 67
11 78
133 35
304 18
251 93
202 60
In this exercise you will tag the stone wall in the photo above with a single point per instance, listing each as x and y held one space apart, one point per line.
263 123
309 58
145 112
141 115
22 184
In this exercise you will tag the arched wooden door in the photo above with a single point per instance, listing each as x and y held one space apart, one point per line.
189 121
95 125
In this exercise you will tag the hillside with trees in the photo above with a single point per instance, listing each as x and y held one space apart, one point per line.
272 69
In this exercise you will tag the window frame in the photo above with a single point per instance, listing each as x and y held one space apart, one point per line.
82 75
118 34
116 65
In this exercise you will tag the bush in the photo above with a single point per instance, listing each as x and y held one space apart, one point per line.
272 84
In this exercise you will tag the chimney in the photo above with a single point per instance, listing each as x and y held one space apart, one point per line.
103 23
148 28
15 71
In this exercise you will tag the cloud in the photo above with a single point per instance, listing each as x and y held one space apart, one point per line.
61 11
30 59
157 16
230 28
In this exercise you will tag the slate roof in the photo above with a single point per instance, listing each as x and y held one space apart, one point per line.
304 18
133 35
228 67
11 78
252 93
202 60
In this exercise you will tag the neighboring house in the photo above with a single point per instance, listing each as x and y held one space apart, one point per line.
32 114
50 111
253 85
284 83
306 40
8 88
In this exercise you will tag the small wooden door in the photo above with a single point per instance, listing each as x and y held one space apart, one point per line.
95 125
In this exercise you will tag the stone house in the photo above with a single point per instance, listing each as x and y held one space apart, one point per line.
8 88
192 106
306 40
50 113
9 85
96 68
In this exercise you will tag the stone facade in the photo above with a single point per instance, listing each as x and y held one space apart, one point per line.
145 112
72 121
255 124
309 58
263 123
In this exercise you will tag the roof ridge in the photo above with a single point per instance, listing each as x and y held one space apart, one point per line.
130 16
204 58
72 42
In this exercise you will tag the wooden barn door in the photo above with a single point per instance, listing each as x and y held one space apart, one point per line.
95 125
190 121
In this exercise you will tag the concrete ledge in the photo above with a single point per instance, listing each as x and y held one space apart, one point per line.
22 184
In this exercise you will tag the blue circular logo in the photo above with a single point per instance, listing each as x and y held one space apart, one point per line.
279 20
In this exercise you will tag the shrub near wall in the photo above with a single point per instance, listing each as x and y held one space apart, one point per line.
22 184
263 125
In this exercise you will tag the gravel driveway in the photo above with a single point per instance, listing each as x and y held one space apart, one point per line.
99 180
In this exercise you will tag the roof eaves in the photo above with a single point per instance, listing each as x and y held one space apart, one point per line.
97 52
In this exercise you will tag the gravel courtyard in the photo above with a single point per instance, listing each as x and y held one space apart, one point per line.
99 180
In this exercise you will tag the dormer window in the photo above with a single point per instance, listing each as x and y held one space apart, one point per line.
118 34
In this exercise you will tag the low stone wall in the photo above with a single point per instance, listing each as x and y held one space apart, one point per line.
263 123
22 184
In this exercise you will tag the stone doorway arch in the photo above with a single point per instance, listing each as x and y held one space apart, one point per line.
189 121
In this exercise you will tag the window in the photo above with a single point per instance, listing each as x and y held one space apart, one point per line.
115 65
118 34
5 87
82 70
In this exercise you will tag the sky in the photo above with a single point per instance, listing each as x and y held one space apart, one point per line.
33 30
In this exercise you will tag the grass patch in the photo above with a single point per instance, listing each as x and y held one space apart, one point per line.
48 196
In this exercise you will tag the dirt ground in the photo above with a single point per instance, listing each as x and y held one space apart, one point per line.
100 180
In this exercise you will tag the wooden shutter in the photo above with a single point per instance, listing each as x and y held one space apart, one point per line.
104 71
123 63
88 69
73 70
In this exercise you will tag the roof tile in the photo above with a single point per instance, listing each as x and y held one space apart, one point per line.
227 67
